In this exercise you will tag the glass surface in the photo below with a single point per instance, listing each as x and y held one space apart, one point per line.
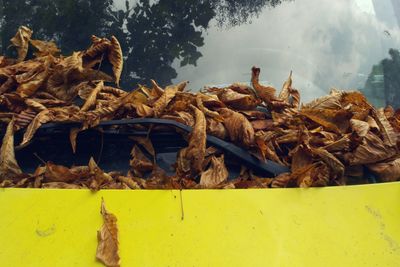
346 44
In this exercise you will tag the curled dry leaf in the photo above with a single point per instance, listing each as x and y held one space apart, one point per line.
190 159
21 41
44 48
60 185
386 171
59 173
91 100
99 177
331 101
215 174
330 160
360 127
139 162
107 236
116 59
41 118
9 167
266 93
387 131
238 127
237 100
206 111
371 150
285 92
146 143
166 97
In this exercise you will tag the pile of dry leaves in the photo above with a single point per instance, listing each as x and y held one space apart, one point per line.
333 140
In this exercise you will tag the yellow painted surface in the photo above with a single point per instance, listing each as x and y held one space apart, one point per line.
336 226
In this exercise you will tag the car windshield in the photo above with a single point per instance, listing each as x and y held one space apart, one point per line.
345 44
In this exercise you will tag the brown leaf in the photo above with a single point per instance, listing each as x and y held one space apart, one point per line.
262 124
116 58
144 111
107 236
386 171
282 180
73 134
60 185
99 47
91 100
266 93
9 167
331 101
30 87
216 128
206 111
387 131
343 144
59 173
41 118
284 94
21 41
190 159
330 160
332 120
371 150
139 162
215 174
239 128
301 157
131 183
44 48
166 97
237 100
99 177
360 127
146 143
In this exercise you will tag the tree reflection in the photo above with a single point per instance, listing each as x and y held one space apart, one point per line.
383 83
152 35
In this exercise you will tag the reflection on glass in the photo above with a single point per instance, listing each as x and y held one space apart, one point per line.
153 34
325 43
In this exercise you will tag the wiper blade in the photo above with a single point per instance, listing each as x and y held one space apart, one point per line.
266 168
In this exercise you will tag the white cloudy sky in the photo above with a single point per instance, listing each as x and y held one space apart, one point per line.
326 43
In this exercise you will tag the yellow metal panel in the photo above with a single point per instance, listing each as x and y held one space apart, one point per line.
335 226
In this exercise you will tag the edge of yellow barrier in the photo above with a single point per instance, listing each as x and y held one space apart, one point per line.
331 226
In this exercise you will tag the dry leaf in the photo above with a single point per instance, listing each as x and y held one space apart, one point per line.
116 59
360 127
60 185
139 162
21 42
370 151
386 171
59 173
146 143
44 48
237 100
107 236
9 167
91 100
387 131
41 118
73 134
190 159
238 127
331 101
215 174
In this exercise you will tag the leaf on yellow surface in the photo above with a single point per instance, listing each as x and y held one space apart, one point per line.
107 236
